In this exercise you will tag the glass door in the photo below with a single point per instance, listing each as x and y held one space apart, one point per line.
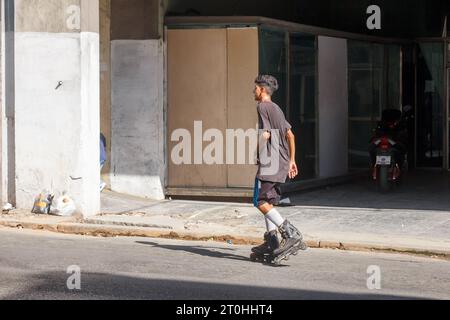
430 105
303 111
374 75
366 82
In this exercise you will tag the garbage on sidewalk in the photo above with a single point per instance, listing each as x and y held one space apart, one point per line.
42 203
64 206
45 203
7 208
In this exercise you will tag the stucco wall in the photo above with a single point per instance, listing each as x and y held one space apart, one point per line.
56 132
56 136
137 160
136 19
2 98
333 107
51 15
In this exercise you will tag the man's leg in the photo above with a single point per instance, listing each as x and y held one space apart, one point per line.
268 196
270 226
257 200
271 241
292 237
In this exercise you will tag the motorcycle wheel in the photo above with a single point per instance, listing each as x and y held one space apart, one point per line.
383 178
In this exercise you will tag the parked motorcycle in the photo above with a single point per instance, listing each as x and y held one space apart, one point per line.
388 148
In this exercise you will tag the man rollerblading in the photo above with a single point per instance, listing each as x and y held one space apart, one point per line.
292 243
264 252
276 162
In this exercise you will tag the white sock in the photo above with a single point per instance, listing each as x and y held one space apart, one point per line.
275 217
270 226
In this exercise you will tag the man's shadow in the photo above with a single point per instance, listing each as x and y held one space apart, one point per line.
202 251
206 252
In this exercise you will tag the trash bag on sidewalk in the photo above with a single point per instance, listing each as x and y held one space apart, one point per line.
43 203
7 208
64 206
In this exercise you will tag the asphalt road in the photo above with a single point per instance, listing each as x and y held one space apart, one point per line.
34 265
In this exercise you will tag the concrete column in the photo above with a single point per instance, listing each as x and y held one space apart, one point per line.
137 105
7 107
57 126
333 107
2 98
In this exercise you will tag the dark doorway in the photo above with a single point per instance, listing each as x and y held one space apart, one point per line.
430 104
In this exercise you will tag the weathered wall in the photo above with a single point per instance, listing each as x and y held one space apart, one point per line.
105 82
8 151
333 107
138 118
43 15
136 19
137 106
57 131
2 98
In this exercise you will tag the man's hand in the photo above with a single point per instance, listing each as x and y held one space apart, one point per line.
266 135
293 170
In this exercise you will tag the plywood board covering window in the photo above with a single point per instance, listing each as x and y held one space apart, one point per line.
210 79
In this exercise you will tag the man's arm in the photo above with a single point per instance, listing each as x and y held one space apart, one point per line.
293 170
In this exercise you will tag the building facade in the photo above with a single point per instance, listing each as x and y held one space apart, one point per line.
139 70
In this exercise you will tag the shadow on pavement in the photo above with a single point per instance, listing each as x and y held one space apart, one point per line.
97 286
202 251
208 252
419 190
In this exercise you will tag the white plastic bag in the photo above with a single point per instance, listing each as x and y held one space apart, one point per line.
64 206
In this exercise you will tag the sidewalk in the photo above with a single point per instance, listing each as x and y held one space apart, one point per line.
424 232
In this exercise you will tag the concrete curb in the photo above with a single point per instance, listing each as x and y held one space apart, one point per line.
121 231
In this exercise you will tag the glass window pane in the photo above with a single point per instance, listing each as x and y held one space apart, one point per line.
393 98
430 99
361 131
368 94
448 53
364 92
359 54
273 61
302 112
377 51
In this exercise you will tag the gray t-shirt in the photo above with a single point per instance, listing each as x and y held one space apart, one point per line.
273 157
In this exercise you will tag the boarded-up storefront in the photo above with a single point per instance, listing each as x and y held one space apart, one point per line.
211 76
